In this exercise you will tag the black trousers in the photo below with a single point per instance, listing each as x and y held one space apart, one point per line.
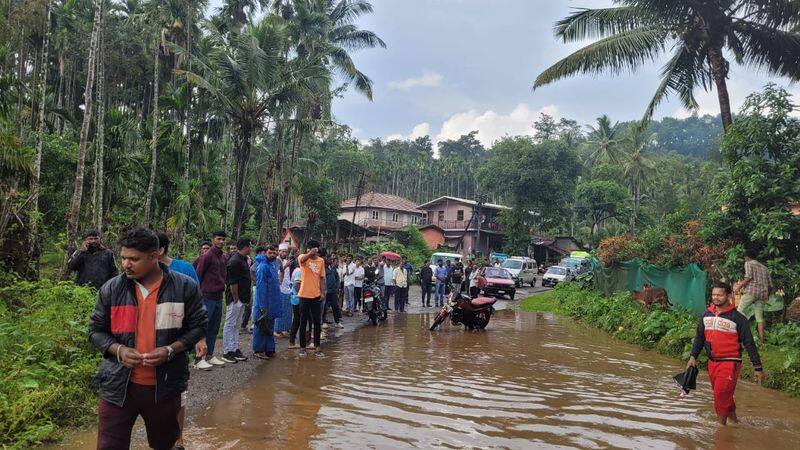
426 293
332 303
295 324
310 311
400 298
357 297
248 310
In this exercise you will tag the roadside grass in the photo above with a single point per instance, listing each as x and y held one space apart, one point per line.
668 332
541 302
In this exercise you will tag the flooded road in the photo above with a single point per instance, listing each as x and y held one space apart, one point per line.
530 380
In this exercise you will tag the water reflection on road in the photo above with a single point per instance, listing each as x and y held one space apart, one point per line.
530 380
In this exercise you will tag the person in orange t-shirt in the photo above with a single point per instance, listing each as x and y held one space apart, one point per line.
312 270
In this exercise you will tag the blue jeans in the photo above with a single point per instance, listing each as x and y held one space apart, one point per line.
214 310
438 297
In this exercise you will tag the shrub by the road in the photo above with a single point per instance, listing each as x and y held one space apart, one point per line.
47 361
669 332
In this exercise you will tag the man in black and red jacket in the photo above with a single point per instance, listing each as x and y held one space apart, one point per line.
723 331
144 321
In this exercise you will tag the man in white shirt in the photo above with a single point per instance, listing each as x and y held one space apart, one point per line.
349 280
358 275
400 281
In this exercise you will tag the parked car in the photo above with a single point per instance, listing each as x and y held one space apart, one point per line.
497 281
557 274
576 265
523 270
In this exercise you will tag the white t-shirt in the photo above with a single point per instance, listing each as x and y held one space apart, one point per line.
359 273
350 275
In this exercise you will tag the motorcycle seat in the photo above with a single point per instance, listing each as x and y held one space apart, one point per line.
482 301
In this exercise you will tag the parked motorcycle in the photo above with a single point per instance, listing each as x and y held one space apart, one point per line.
373 303
473 313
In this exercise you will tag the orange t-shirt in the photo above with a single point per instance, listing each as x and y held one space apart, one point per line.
311 271
145 333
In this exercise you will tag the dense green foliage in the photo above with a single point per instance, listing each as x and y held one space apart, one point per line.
668 332
757 192
47 361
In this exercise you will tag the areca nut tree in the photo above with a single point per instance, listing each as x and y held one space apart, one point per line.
243 73
699 34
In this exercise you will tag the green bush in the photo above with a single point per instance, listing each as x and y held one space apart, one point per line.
47 361
671 332
408 243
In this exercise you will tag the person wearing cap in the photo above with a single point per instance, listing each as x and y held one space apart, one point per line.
283 319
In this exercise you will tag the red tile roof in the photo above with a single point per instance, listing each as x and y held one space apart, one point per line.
382 201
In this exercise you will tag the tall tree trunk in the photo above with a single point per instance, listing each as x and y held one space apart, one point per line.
99 152
289 175
719 69
181 231
266 183
60 94
154 140
22 57
241 149
73 217
35 249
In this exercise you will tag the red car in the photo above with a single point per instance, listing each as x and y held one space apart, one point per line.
496 281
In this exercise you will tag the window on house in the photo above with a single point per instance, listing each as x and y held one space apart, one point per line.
414 220
460 214
374 215
395 217
440 217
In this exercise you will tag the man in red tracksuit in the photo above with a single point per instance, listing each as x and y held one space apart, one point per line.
723 331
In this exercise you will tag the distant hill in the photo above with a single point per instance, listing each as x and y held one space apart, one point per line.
696 136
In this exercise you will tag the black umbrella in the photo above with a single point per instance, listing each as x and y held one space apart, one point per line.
687 380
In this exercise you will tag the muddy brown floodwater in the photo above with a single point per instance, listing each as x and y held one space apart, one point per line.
529 381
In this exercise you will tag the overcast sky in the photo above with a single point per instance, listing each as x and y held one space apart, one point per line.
453 66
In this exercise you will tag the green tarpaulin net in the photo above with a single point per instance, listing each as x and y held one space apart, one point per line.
686 287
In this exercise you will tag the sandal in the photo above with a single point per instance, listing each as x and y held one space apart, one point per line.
261 356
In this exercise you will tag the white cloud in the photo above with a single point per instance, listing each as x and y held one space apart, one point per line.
427 79
419 130
492 125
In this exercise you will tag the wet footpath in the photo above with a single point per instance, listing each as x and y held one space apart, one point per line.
530 380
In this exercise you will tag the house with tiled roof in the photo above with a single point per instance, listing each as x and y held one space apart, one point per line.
381 212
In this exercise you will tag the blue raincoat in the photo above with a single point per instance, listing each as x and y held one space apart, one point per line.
268 297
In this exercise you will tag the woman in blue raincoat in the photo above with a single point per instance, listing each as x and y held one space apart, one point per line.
267 301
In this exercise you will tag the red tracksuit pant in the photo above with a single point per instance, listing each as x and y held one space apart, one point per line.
723 375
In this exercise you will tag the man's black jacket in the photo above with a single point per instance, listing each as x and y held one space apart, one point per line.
94 268
180 316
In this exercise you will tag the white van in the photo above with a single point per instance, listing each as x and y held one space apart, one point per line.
523 270
452 257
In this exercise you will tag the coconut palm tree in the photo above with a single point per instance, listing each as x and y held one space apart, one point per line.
638 166
698 33
604 141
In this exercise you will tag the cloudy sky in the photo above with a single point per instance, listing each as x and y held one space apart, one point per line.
453 66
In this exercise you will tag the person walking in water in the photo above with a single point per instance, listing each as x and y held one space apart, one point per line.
723 331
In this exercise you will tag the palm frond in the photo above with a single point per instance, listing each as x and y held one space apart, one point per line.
680 75
773 48
586 23
622 51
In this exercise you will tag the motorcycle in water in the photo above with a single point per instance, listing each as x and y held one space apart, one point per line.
373 303
473 313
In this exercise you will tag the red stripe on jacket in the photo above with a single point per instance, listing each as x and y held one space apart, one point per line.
123 319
